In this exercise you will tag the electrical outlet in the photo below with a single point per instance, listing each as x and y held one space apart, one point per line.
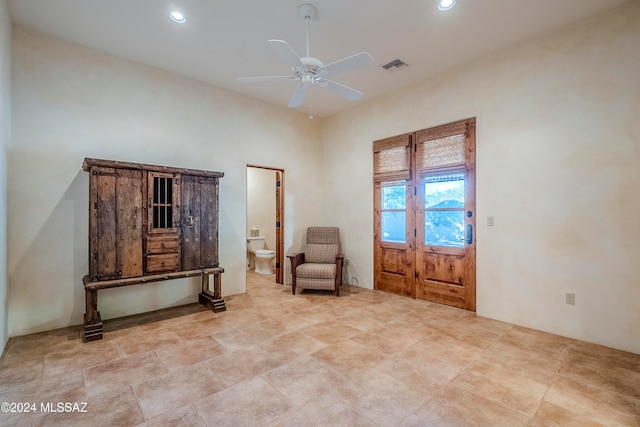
346 261
570 298
490 222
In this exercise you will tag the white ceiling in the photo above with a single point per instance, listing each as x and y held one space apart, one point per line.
224 39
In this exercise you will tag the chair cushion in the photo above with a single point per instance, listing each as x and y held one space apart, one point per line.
316 271
321 253
324 235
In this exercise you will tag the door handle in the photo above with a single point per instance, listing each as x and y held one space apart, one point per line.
190 221
469 234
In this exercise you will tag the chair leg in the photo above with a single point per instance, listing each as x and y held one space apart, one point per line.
293 284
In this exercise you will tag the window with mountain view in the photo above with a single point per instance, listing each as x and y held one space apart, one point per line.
444 210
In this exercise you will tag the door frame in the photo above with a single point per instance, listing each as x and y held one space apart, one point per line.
398 272
279 195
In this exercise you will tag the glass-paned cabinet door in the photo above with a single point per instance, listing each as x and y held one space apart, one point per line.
163 197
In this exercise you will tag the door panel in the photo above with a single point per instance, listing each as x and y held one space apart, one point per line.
393 236
129 223
445 249
209 223
191 209
199 222
118 207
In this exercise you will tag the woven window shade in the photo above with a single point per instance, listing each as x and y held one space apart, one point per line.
441 147
391 159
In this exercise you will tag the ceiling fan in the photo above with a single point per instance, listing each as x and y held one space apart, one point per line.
309 71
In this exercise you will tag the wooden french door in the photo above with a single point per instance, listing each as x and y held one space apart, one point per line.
424 214
279 227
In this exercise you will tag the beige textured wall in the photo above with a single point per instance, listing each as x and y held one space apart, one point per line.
70 102
558 165
261 204
5 140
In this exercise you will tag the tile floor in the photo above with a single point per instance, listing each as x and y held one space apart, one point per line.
364 359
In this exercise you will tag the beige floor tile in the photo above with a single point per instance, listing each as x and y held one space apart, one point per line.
284 323
189 352
250 403
386 341
177 388
532 365
430 377
549 415
603 373
542 343
236 366
361 319
475 337
68 387
454 407
349 357
290 346
387 399
610 355
243 337
87 355
473 321
115 408
304 379
502 385
436 348
142 343
330 332
596 403
326 410
122 372
20 371
182 417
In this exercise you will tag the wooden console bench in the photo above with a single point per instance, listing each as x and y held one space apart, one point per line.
93 327
149 223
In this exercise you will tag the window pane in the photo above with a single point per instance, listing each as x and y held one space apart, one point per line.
444 192
394 197
394 226
444 228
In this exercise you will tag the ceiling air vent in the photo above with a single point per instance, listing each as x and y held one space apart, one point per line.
396 63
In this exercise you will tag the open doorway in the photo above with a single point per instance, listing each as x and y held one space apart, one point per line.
265 220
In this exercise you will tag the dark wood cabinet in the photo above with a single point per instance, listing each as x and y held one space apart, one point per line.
149 223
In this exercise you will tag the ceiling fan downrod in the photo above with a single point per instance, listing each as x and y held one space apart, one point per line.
307 11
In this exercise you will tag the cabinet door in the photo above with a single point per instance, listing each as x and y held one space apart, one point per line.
199 222
115 223
163 197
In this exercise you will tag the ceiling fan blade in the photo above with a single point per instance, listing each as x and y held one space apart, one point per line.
351 63
288 54
298 95
257 79
342 90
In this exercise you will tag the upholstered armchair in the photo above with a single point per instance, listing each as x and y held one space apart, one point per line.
320 265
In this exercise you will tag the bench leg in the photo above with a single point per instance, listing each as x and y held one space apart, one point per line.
92 322
213 301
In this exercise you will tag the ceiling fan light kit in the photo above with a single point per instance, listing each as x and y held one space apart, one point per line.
309 71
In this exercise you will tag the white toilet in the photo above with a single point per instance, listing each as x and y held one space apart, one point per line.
260 259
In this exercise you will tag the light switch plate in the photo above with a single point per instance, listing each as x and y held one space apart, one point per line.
490 222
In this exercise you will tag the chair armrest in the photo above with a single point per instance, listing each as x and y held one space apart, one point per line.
296 260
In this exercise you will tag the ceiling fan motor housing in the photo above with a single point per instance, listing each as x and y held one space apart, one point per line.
307 11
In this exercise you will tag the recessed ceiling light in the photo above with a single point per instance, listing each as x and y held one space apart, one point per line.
177 17
446 4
